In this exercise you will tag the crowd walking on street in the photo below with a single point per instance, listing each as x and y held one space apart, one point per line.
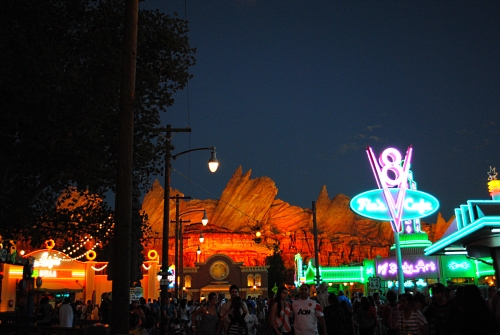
439 310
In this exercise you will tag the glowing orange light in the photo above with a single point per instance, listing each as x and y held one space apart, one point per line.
91 255
152 254
49 244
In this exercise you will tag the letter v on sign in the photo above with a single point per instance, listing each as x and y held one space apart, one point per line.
390 160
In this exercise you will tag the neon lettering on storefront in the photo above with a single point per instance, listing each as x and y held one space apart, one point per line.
46 261
409 269
47 273
456 266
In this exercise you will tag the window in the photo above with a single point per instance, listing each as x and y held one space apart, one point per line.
250 280
258 280
187 281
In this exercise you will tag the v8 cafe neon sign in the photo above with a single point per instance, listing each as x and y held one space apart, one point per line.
372 205
393 201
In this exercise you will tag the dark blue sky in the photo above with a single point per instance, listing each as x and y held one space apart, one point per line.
296 90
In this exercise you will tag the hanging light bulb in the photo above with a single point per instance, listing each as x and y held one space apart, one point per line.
204 221
199 250
213 163
202 239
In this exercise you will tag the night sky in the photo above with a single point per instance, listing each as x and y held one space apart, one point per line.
296 90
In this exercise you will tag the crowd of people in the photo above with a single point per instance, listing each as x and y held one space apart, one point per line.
65 312
445 312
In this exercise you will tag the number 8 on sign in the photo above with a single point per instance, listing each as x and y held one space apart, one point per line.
390 160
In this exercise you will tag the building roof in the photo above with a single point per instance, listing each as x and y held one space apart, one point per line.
471 228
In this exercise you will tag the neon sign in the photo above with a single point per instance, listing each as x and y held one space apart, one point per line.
390 161
394 200
371 204
417 268
456 266
171 276
46 261
48 273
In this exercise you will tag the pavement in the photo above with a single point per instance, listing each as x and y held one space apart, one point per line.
262 330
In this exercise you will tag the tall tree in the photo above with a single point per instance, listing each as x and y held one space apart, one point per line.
59 96
276 273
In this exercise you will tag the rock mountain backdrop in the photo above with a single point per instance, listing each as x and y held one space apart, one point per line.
247 204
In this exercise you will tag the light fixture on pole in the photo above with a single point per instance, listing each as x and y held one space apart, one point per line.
198 253
179 240
258 235
213 165
213 162
204 221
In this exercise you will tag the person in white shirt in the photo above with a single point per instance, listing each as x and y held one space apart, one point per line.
307 313
66 314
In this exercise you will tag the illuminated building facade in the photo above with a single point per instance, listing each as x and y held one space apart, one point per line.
475 232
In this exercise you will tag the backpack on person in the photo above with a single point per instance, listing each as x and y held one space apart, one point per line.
237 327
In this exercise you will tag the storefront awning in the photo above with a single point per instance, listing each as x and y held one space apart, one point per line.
474 225
60 287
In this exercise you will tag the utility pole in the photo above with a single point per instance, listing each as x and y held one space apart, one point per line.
166 210
316 253
121 253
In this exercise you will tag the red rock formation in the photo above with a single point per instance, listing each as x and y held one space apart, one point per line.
344 237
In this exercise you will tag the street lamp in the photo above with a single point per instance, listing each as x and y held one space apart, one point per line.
179 242
213 165
258 235
204 221
198 253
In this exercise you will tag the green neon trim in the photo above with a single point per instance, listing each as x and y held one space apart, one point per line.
485 273
342 270
416 245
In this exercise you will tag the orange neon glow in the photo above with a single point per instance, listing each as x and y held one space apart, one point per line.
49 244
15 273
152 254
78 273
91 255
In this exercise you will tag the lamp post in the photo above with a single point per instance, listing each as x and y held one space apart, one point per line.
179 242
316 251
212 164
